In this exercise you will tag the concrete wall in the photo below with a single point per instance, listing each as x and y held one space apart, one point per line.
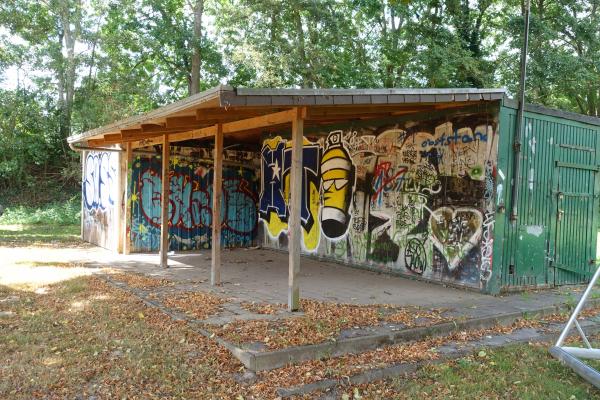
190 203
100 195
414 196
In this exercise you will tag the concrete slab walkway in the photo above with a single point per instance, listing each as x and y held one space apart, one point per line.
260 275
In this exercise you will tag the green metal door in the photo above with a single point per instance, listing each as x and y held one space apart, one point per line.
575 199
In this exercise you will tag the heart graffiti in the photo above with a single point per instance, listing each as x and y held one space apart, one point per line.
454 232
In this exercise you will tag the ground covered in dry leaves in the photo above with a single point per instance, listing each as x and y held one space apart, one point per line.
86 338
83 338
320 322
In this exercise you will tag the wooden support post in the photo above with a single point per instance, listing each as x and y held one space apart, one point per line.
294 228
126 205
215 268
83 167
119 209
164 202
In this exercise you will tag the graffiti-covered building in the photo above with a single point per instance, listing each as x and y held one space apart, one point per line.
413 182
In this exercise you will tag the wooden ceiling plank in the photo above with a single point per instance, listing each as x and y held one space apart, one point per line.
113 136
131 132
153 127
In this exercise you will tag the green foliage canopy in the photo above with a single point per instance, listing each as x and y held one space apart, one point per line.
70 65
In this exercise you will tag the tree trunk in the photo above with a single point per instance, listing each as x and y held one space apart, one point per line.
196 42
302 60
70 21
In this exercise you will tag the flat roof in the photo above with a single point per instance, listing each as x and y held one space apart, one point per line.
231 101
226 104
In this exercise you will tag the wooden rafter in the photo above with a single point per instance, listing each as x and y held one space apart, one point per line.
183 122
221 114
245 125
151 133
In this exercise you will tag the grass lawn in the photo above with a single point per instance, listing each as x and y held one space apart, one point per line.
525 371
56 224
39 235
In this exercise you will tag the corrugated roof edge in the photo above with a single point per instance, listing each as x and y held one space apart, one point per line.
336 92
322 97
534 108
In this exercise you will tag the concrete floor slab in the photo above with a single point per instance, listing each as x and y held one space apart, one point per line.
261 275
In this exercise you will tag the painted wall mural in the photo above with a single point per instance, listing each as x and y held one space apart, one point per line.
414 197
99 195
190 202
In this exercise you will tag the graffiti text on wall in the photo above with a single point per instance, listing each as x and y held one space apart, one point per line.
98 180
100 193
190 205
418 199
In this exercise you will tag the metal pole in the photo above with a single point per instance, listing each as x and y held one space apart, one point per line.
578 308
520 117
583 370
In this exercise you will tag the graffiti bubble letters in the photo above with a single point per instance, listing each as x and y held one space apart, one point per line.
276 166
271 195
190 206
98 180
407 195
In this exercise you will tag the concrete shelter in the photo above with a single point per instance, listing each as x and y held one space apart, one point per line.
416 182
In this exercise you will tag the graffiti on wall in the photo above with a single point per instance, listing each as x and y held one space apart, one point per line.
99 180
190 205
417 198
99 193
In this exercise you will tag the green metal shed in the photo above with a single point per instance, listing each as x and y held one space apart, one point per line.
553 239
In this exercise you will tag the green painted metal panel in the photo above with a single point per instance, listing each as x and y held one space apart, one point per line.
531 254
558 202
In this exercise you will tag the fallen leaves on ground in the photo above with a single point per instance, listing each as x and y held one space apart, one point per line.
140 281
413 317
197 304
564 316
116 347
262 308
513 372
322 321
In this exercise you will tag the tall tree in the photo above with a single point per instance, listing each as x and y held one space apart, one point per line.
197 47
52 29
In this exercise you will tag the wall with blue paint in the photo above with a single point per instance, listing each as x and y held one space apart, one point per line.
100 198
190 202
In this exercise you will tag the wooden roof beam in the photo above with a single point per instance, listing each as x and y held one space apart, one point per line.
189 122
203 114
117 138
244 125
278 118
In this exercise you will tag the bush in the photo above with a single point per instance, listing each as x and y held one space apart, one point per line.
55 213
